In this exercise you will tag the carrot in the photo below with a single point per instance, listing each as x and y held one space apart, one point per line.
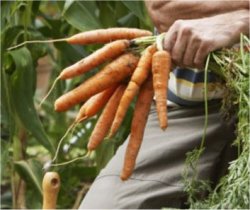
112 74
139 121
96 36
109 51
161 64
107 35
105 120
51 186
94 104
138 77
89 109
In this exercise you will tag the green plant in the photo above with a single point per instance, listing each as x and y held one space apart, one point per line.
30 135
232 191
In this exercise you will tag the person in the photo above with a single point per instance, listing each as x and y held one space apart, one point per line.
193 30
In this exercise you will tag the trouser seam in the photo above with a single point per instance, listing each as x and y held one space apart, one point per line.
137 179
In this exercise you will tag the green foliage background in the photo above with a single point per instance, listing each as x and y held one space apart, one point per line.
30 135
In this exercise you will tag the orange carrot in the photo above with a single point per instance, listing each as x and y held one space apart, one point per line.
113 73
96 36
109 51
161 65
138 77
89 109
107 35
94 104
105 120
139 121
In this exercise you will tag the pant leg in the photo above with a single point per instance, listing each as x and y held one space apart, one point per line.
157 178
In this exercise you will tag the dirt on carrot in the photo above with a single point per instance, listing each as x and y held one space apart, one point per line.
109 51
161 64
94 104
105 120
138 77
107 35
139 121
115 72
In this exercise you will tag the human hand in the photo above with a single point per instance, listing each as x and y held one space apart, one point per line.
190 41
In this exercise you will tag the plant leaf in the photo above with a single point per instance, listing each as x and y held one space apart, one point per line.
67 4
81 14
22 88
139 10
129 20
106 9
5 158
8 124
9 36
31 172
136 7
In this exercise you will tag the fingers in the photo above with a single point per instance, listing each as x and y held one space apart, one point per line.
205 47
190 52
187 46
170 39
179 48
175 42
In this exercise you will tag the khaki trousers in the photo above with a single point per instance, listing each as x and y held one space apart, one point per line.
157 179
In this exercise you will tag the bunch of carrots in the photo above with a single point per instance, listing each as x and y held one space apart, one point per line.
136 66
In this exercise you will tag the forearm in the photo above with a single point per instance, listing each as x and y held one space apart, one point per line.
165 13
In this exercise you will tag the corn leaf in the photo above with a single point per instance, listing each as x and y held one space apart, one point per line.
136 7
31 172
80 14
22 85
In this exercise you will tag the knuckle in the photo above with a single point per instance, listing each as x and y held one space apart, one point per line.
186 30
179 23
197 39
187 63
175 57
207 44
198 63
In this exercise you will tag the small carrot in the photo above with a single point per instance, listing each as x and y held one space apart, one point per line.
94 104
109 51
88 109
139 121
112 74
96 36
161 64
105 120
138 77
107 35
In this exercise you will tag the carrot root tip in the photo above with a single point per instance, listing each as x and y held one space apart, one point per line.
36 42
78 120
50 90
123 178
89 152
110 135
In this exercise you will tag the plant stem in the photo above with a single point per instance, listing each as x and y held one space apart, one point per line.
18 154
205 103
